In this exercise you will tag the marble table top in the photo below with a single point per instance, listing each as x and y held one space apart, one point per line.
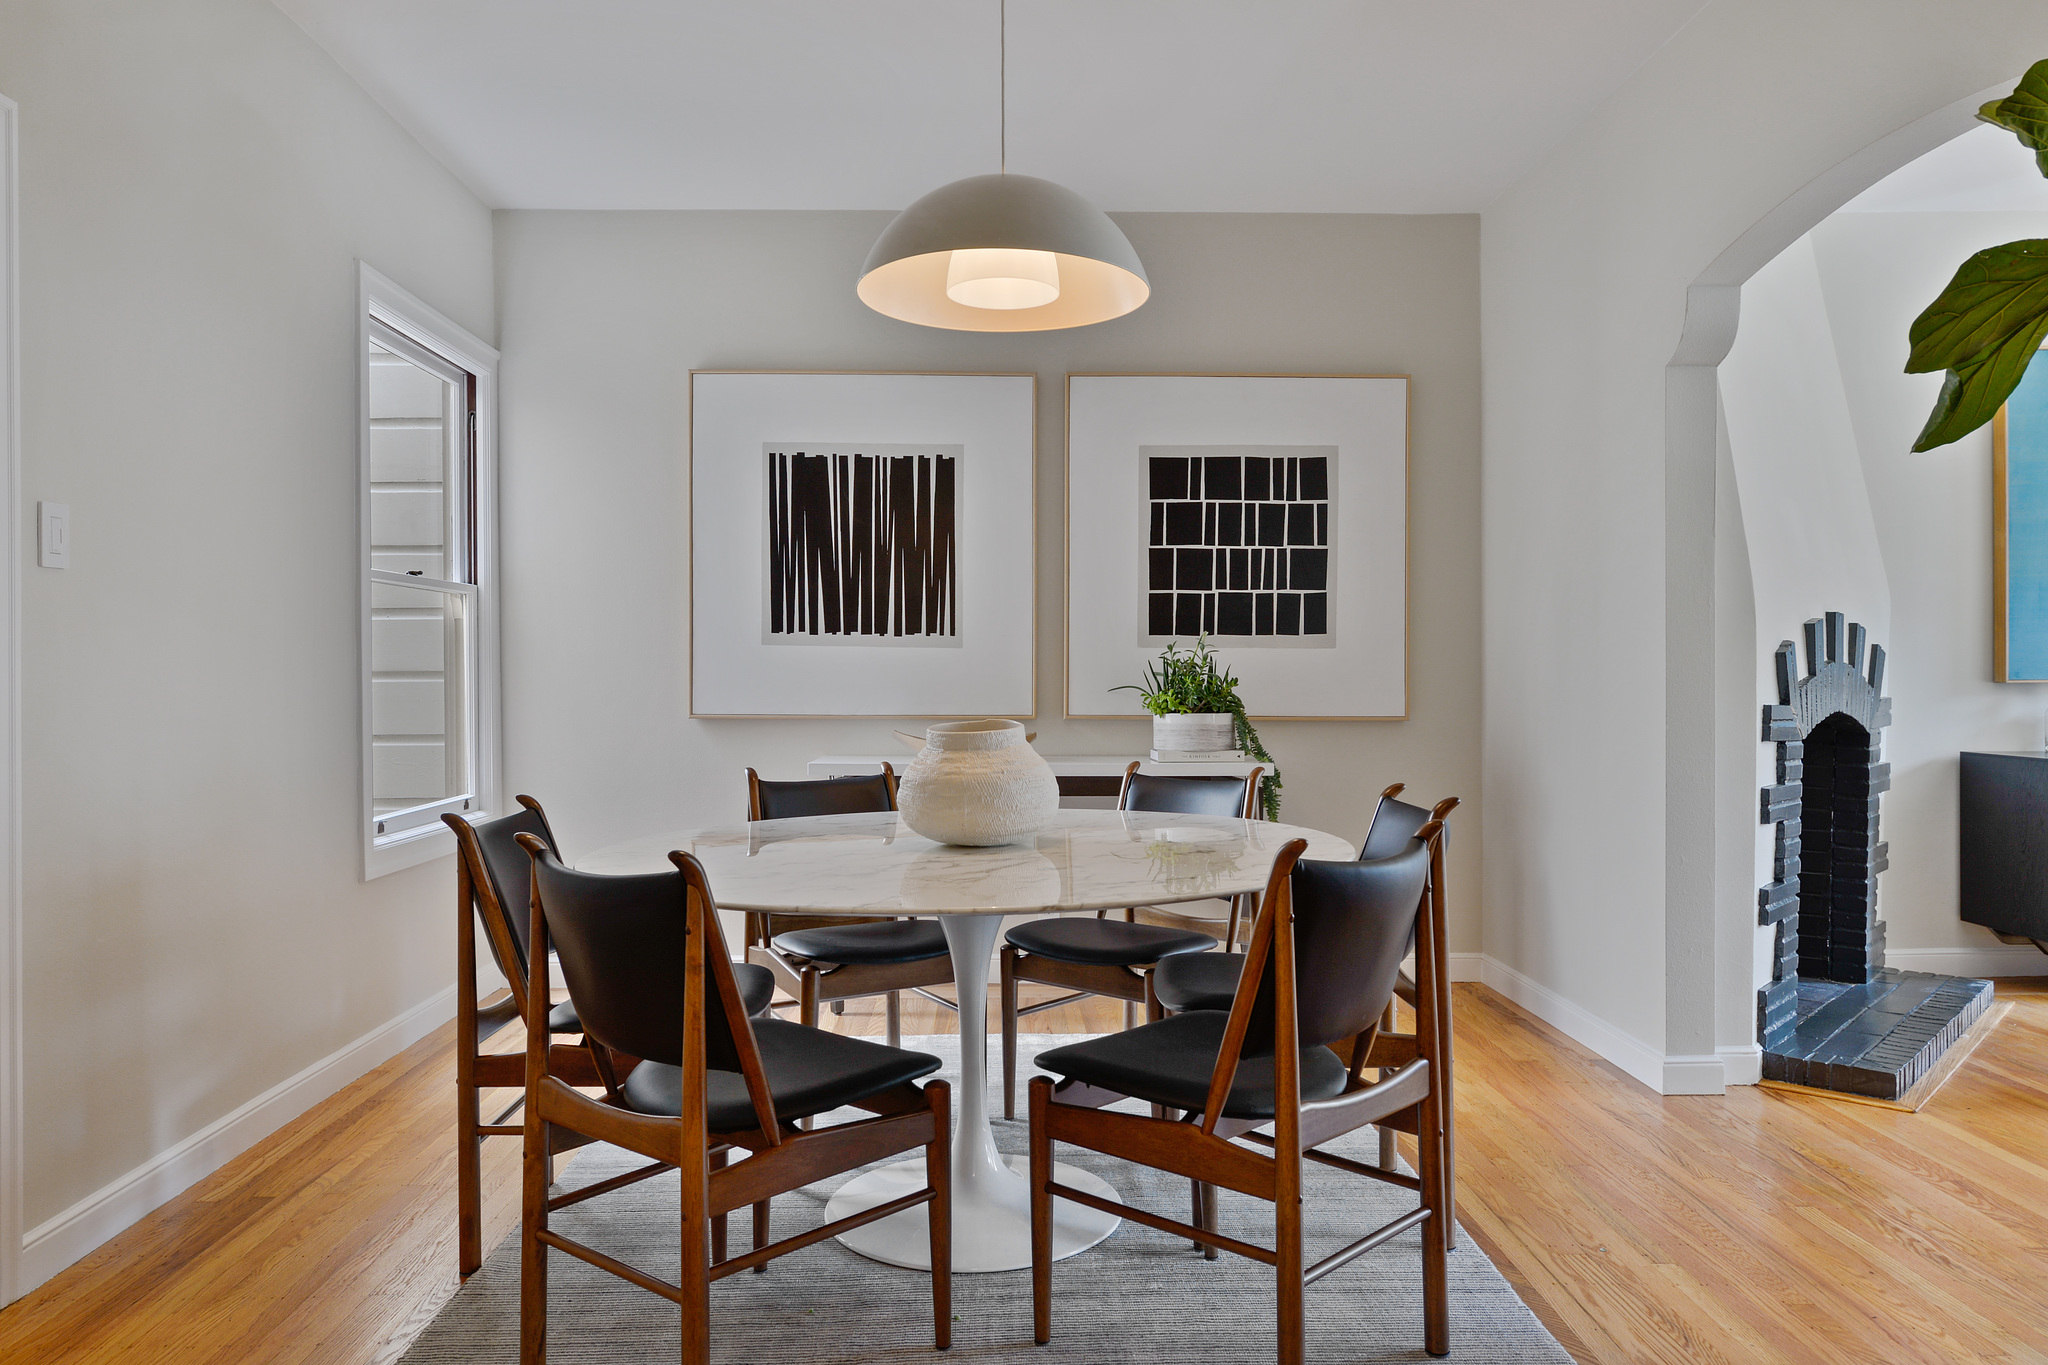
873 864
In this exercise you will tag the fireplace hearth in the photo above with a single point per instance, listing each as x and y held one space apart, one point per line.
1834 1016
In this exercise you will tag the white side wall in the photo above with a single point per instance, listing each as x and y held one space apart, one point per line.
1602 896
197 183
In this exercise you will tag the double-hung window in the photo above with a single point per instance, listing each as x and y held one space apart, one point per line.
429 613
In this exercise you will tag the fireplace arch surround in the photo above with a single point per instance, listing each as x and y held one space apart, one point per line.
1827 852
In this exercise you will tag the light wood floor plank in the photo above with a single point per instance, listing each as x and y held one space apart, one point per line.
1759 1227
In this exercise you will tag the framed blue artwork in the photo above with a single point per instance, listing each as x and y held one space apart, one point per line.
2019 531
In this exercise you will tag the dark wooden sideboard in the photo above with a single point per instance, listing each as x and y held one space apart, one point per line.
2004 801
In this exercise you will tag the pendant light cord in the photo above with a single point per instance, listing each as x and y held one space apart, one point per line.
1003 86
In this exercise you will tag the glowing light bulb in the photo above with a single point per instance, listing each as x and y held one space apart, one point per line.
1002 277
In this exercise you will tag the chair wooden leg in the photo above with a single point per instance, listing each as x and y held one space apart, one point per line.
717 1219
694 1278
533 1254
761 1233
1041 1212
469 1183
807 1013
1207 1220
1436 1298
1390 1149
938 1173
1130 1015
894 1012
1289 1285
1009 1009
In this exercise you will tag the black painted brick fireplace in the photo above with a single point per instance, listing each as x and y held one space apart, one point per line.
1834 1016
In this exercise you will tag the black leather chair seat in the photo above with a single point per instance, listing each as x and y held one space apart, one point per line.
1105 942
1169 1062
1198 981
889 940
757 988
809 1071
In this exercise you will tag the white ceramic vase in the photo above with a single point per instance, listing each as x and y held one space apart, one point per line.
977 783
1201 733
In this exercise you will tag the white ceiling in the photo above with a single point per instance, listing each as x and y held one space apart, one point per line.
1986 170
1389 106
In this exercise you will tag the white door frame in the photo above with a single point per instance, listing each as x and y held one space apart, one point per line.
10 713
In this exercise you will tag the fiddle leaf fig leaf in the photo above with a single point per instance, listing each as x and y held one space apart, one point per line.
2025 112
1984 330
1998 293
1971 395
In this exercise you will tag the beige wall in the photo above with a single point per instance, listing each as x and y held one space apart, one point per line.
605 314
197 181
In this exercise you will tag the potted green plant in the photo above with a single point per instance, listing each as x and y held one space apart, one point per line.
1192 697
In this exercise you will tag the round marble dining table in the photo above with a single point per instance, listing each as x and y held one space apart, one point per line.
872 864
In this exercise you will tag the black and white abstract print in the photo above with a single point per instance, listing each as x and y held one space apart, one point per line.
1240 544
862 544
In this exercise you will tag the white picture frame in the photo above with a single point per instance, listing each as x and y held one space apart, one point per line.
1126 431
801 604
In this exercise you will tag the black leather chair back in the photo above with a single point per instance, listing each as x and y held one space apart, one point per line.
1184 795
621 944
825 796
1393 824
1352 925
511 873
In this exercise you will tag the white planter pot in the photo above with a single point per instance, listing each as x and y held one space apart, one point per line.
977 782
1205 732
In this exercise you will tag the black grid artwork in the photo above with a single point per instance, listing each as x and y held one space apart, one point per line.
1240 545
862 544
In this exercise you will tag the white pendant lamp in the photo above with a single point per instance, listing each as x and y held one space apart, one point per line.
1003 253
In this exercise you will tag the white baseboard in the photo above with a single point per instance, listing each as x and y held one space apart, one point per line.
1694 1074
1581 1025
2003 960
76 1231
1742 1065
1467 966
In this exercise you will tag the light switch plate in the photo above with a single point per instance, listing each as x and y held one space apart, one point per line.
53 535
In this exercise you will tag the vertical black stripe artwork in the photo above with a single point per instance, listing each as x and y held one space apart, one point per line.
862 545
1240 543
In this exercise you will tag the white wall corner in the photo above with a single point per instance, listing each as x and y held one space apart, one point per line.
74 1233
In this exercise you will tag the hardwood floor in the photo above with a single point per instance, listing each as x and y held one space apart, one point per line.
1757 1227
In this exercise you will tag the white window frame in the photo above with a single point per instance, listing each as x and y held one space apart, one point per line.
427 838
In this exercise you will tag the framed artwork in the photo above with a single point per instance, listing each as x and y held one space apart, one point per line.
1268 512
862 544
2019 530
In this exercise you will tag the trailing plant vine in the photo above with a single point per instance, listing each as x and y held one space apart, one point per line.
1193 684
1986 327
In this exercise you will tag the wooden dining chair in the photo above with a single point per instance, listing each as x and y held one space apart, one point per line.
645 957
1208 981
493 887
828 960
1108 957
1283 1068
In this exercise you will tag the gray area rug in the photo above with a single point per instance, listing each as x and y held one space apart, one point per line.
1139 1296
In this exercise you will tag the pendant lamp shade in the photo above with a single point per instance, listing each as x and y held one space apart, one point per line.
1000 243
